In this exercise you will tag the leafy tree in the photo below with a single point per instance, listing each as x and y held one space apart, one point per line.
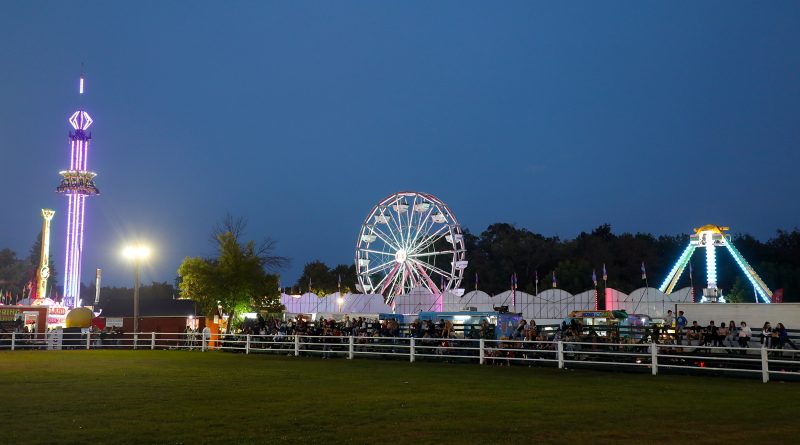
236 279
502 250
741 292
324 280
15 273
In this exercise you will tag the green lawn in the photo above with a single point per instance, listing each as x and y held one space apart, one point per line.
101 397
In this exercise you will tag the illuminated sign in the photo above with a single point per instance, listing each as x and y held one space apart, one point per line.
9 314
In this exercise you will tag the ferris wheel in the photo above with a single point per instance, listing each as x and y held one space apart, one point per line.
410 240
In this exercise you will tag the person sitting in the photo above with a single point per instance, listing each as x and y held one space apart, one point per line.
783 337
694 333
766 335
744 335
722 333
710 336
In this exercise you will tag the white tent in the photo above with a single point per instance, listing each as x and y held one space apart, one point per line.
515 303
362 304
611 296
351 303
554 304
418 300
299 303
479 300
684 295
649 301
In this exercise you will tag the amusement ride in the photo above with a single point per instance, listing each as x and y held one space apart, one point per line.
410 240
710 237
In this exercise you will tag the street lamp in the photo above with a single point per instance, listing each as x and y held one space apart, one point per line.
136 254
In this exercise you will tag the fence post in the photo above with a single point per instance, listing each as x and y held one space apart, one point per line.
135 340
247 345
203 346
152 341
654 358
350 346
482 353
296 345
13 340
412 350
88 339
560 354
764 365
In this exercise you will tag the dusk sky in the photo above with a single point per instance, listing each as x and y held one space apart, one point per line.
299 116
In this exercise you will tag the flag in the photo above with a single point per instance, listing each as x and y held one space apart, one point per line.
514 289
644 272
476 280
605 274
555 284
690 270
594 277
441 286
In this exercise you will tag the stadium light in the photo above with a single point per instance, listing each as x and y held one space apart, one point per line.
136 253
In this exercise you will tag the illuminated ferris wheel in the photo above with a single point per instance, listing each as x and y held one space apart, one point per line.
410 240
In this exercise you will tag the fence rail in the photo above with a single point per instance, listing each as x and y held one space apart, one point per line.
770 363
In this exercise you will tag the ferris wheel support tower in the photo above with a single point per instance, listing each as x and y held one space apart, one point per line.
710 237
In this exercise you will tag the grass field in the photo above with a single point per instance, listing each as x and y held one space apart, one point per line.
101 397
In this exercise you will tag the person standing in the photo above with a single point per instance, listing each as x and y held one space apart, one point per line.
680 325
519 332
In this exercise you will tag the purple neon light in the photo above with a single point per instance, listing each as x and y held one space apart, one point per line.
76 206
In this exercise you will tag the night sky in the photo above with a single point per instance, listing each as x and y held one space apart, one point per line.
555 116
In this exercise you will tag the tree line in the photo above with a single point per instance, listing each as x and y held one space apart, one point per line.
243 275
503 250
19 275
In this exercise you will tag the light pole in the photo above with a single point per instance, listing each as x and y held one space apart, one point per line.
136 253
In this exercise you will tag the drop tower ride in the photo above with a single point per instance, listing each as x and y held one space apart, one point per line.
77 183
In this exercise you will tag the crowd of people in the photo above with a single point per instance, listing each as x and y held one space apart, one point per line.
676 330
526 339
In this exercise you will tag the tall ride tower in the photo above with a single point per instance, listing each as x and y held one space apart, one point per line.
77 184
44 262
